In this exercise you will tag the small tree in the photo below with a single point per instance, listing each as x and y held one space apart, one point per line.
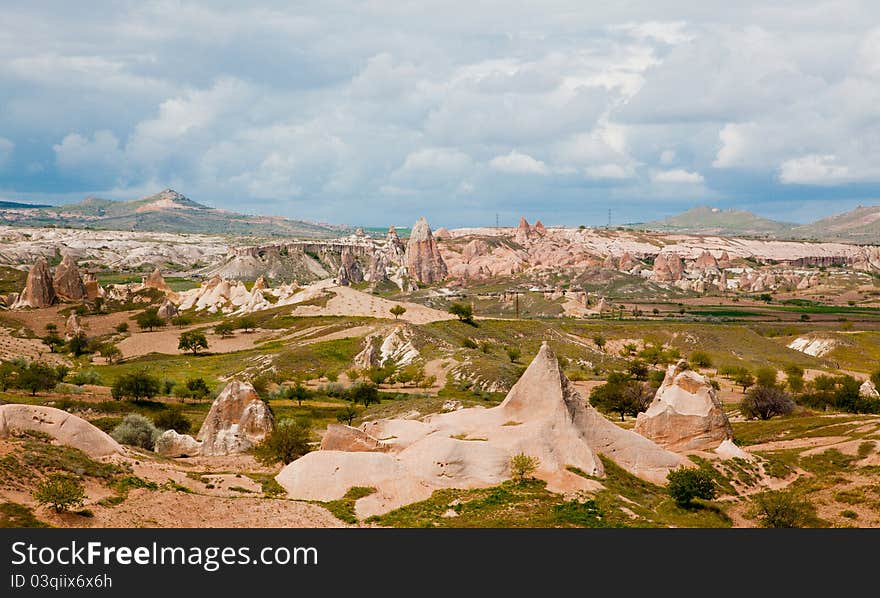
599 341
78 344
122 327
764 402
463 311
37 377
224 329
363 392
782 509
513 353
193 341
397 311
287 442
347 415
246 323
110 352
522 467
197 388
149 319
135 385
686 484
794 378
298 393
60 491
744 378
766 376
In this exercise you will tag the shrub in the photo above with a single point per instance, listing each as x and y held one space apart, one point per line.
463 311
136 386
347 415
193 388
599 341
700 359
397 311
469 343
288 441
122 327
782 508
363 392
513 353
686 484
60 491
522 467
744 378
766 376
136 430
764 402
173 419
89 376
246 323
110 352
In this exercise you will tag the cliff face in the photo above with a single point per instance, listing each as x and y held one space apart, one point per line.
39 291
423 259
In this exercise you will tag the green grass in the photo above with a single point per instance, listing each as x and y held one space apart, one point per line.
791 427
16 515
343 509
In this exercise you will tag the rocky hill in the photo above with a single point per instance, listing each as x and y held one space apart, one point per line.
861 225
715 221
166 211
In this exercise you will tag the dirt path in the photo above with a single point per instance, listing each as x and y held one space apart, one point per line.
351 302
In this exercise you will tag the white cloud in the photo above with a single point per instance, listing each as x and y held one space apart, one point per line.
518 163
677 176
81 154
665 32
667 157
813 170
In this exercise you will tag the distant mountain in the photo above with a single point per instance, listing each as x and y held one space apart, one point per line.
166 211
14 205
861 225
705 220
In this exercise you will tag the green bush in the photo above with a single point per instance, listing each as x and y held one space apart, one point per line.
522 467
136 430
686 484
136 386
700 359
89 376
469 343
173 419
765 402
60 491
782 509
288 441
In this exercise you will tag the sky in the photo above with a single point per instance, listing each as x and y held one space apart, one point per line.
378 112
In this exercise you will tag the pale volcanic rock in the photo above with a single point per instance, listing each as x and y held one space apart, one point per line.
627 262
667 268
67 281
39 290
65 428
869 390
238 419
92 287
173 445
442 233
216 295
423 259
340 437
73 326
523 231
724 260
168 310
349 270
379 350
543 416
474 249
539 228
706 261
685 413
156 281
260 284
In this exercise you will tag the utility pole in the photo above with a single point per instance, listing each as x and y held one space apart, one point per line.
497 221
516 296
609 217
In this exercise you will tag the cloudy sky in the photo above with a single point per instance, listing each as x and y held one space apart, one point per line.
376 112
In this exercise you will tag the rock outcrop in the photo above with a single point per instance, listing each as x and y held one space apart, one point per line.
349 270
173 445
156 281
340 437
238 419
73 326
68 282
38 290
869 390
543 416
65 428
423 259
167 310
667 268
92 287
685 413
